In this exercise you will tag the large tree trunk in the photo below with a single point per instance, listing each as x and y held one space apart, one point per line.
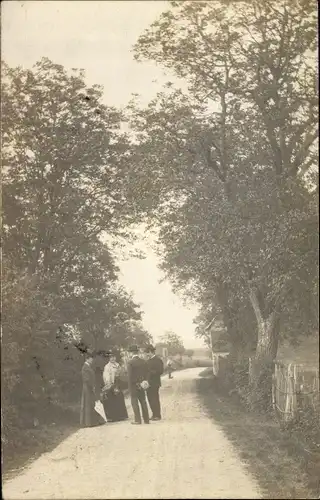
232 320
262 364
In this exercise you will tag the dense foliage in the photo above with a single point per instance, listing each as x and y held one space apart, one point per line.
64 190
226 172
173 343
233 165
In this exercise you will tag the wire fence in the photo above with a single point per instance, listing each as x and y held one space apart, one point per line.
295 387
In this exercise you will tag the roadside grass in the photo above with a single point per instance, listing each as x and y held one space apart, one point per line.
272 456
27 444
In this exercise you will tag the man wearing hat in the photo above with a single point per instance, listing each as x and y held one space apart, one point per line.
155 370
137 375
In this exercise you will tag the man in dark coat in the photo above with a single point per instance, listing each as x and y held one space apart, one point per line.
137 373
155 370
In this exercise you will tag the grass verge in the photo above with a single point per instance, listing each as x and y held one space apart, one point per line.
273 457
29 444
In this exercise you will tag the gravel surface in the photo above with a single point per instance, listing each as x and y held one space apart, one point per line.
183 456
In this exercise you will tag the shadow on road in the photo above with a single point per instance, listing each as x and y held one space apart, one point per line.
268 452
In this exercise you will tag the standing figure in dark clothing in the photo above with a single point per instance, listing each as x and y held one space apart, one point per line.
155 370
89 417
111 395
137 374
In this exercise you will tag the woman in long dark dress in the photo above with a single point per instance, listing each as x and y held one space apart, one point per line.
89 417
112 396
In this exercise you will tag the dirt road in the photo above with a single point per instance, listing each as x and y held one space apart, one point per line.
183 456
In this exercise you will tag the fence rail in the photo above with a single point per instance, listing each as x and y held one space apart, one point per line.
294 387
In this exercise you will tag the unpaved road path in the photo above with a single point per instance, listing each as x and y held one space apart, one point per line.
184 456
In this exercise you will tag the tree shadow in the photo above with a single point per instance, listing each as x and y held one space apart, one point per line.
271 456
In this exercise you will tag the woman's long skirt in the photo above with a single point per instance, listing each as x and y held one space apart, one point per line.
89 417
115 407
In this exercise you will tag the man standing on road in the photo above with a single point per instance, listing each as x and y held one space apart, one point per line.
137 375
169 368
155 370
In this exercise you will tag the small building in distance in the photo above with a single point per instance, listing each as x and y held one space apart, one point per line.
161 351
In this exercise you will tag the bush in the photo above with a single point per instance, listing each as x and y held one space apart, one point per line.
239 378
306 426
305 431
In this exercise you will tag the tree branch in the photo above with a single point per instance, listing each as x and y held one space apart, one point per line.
303 152
256 306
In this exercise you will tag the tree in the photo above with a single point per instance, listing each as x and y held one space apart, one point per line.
173 343
189 353
64 187
56 203
251 74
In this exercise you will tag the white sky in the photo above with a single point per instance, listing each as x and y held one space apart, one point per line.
98 37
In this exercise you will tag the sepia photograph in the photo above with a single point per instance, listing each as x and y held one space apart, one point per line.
160 249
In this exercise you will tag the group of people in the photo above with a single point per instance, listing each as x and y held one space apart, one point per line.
144 370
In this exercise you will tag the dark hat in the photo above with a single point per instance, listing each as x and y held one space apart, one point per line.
102 353
133 348
150 348
91 353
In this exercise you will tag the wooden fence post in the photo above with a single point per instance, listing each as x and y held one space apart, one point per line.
293 389
274 377
215 364
250 369
295 386
290 392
